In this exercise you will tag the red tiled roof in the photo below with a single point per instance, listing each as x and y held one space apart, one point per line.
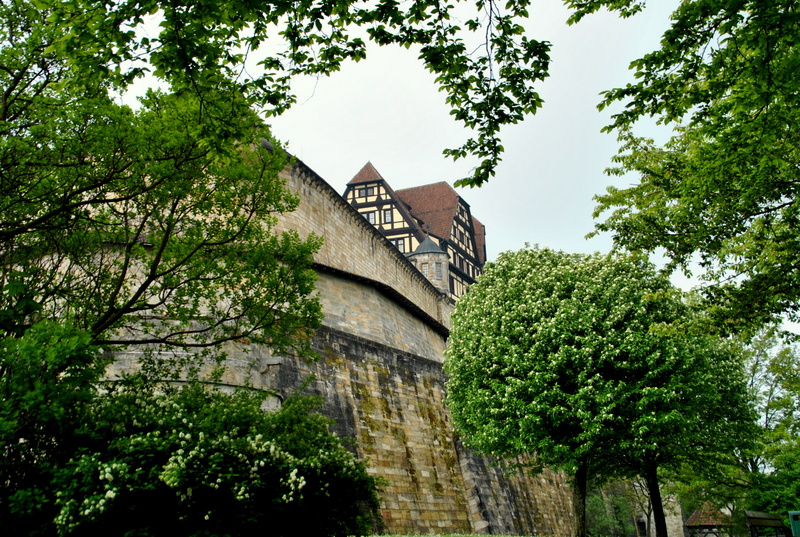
707 515
435 205
367 174
480 239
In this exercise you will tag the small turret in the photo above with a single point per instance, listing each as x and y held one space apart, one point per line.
433 263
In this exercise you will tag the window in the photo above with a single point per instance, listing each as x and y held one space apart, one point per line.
365 191
400 244
387 216
437 270
370 216
424 269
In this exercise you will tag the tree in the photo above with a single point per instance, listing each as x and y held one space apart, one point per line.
215 46
774 384
590 363
154 226
144 458
48 378
132 224
610 511
480 55
722 191
764 477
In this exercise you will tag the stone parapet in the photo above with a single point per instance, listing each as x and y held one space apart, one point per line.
354 246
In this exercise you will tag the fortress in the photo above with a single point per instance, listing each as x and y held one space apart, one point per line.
380 373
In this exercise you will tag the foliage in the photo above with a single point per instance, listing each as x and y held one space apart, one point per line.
774 373
778 491
590 362
722 191
764 477
549 351
48 378
119 219
214 46
198 462
150 459
123 219
482 59
610 511
156 226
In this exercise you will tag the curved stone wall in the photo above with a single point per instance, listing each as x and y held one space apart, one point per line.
380 373
392 403
353 246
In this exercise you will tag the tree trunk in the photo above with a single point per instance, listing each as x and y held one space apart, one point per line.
579 499
659 520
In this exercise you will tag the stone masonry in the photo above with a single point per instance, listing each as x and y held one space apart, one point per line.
380 373
381 351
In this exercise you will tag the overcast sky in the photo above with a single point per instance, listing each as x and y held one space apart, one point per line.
387 110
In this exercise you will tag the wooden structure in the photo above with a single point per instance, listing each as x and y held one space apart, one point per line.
765 524
708 521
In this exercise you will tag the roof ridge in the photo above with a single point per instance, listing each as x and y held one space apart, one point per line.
427 186
368 173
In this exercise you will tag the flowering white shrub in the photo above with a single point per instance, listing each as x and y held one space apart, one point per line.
160 460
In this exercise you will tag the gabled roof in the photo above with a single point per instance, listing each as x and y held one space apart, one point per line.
435 205
709 516
367 174
758 519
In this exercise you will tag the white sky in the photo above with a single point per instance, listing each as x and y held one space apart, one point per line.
387 110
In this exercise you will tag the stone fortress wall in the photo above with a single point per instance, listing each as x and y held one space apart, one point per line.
353 247
380 372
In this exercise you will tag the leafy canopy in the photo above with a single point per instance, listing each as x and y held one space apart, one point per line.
482 59
722 192
764 476
137 225
591 364
582 357
153 226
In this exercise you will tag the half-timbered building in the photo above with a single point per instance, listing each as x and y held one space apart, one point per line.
421 220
